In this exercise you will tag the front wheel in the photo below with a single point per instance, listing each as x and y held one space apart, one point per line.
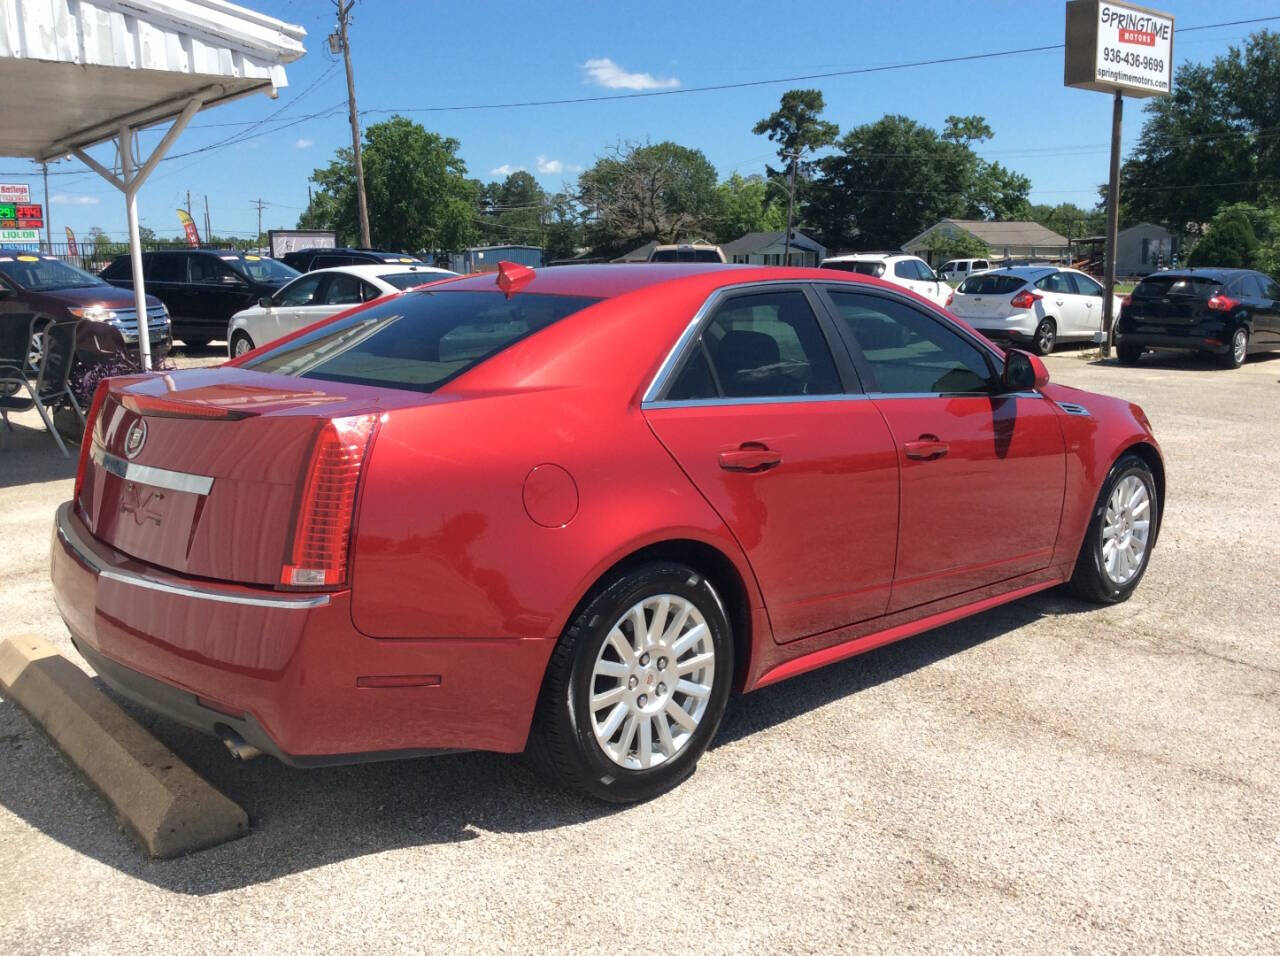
241 344
636 687
1122 530
1045 337
1128 354
1239 349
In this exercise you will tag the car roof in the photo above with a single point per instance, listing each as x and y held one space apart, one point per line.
1203 272
1022 272
870 257
376 269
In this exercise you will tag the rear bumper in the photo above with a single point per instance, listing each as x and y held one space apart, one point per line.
286 672
1020 326
1194 340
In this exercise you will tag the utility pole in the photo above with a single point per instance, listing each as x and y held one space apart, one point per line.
791 199
188 202
48 226
208 231
344 16
1113 222
259 203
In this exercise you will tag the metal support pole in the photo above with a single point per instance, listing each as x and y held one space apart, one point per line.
791 201
135 247
1113 227
48 223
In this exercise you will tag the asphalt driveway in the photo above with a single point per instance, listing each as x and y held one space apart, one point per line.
1046 776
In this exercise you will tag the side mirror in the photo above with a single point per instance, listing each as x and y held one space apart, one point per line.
1023 372
264 302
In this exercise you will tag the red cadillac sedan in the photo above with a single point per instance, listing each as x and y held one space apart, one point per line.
570 511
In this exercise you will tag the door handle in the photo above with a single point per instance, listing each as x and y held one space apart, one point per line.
926 448
750 456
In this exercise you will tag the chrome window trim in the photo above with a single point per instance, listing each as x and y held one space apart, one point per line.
880 396
660 380
68 536
147 475
755 400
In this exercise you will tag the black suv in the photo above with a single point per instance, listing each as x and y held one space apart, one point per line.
1230 313
203 288
308 260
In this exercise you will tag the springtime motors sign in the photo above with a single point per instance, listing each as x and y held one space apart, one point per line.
1118 47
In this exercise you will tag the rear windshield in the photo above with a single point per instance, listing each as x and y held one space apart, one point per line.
989 283
407 280
418 341
1155 287
686 255
875 269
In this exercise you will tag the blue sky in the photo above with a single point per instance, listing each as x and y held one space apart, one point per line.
414 56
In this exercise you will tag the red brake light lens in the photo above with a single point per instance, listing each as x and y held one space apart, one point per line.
322 534
1025 299
86 441
158 406
1222 303
951 298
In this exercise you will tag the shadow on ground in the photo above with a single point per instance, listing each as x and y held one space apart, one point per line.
1189 361
301 819
29 455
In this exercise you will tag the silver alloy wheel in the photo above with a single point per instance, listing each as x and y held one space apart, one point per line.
652 681
1126 530
242 346
1045 337
1240 346
35 351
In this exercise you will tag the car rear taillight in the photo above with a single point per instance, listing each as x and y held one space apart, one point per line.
326 510
160 406
86 441
1126 302
1222 303
951 298
1025 299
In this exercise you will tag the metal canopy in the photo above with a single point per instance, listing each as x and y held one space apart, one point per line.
78 73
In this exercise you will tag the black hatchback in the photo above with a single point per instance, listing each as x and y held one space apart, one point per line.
1229 313
203 288
309 260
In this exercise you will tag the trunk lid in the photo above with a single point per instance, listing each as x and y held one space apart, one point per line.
1171 300
200 471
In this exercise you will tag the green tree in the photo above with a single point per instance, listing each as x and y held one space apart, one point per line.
636 192
892 179
1230 241
1068 219
798 129
743 205
960 246
419 196
1212 141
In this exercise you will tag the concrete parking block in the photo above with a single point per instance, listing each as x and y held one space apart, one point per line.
170 809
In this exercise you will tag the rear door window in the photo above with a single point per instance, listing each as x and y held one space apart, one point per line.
1084 285
167 269
906 269
1057 283
343 290
418 341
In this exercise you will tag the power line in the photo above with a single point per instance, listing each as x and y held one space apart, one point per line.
745 84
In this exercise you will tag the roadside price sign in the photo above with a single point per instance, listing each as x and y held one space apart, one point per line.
1119 47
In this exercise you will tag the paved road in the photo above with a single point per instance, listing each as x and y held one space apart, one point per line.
1044 777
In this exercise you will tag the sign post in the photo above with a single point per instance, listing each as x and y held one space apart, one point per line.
1121 49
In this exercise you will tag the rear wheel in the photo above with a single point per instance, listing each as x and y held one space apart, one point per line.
636 687
1122 530
1239 350
1128 354
1045 338
240 344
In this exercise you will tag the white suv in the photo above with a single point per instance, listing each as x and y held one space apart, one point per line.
960 268
910 272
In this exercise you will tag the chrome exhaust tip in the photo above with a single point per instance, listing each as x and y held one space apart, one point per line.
239 748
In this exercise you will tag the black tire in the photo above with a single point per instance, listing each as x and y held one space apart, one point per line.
241 340
1046 337
1090 581
1238 351
1128 354
562 743
195 343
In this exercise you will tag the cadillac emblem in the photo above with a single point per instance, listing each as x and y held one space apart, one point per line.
135 438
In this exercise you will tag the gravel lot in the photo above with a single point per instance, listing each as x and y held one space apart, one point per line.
1044 777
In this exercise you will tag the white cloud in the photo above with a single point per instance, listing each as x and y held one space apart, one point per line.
602 71
304 144
63 199
506 169
552 166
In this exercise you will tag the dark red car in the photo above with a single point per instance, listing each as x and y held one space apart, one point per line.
571 511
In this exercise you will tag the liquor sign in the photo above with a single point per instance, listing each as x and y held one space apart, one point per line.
19 235
1118 48
15 192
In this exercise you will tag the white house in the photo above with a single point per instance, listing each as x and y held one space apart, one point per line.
768 248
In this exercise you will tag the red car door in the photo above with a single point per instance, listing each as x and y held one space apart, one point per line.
803 472
983 474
